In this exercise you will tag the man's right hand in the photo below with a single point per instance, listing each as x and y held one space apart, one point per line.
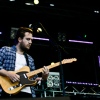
13 76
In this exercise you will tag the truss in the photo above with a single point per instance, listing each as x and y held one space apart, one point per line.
71 89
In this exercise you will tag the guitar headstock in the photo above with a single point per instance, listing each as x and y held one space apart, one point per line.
68 60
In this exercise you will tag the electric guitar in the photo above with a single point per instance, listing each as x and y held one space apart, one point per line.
25 74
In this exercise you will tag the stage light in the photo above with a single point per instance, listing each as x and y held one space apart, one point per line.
62 37
78 41
85 36
13 32
39 29
81 83
36 2
11 0
0 32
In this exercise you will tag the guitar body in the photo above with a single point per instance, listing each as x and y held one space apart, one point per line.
13 88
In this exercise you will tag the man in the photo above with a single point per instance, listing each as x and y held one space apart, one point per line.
14 58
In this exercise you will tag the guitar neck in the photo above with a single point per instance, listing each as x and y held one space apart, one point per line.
32 73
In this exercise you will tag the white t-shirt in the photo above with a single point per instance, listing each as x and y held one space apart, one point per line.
20 62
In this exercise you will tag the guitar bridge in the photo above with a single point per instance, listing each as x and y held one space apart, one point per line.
13 87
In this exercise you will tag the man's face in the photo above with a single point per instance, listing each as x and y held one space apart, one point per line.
26 42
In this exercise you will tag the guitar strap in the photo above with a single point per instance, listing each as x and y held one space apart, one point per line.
27 61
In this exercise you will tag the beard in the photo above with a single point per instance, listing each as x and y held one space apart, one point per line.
23 47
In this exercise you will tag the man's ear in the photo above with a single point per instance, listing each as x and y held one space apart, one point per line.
19 39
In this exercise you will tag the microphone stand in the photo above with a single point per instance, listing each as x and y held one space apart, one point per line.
61 70
59 54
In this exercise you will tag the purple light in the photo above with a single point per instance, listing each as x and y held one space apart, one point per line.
45 39
81 41
0 32
99 60
82 83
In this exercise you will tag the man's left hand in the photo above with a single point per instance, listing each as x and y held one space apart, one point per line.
45 73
